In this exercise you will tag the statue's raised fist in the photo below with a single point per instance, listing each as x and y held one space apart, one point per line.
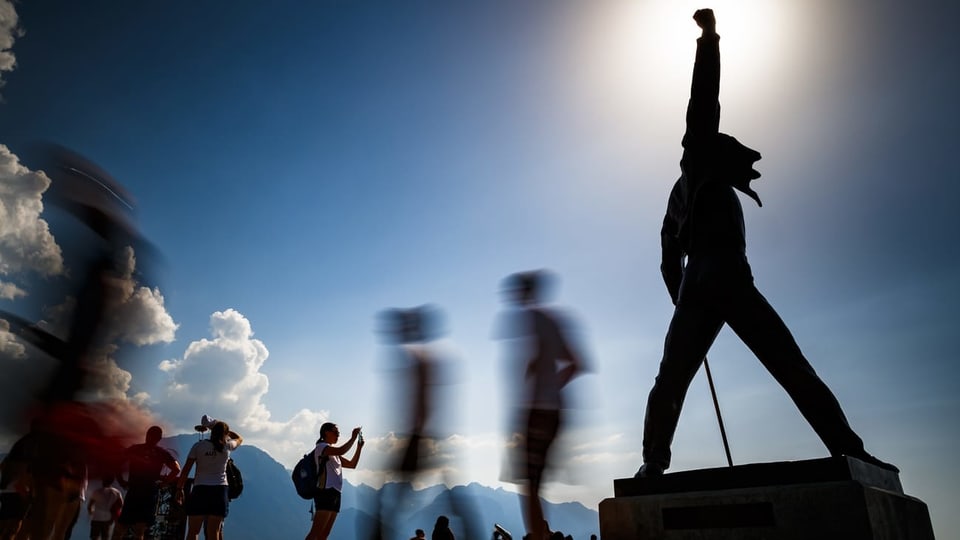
705 20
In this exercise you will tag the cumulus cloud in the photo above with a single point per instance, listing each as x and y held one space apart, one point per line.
26 243
138 314
134 313
221 376
109 382
10 348
9 32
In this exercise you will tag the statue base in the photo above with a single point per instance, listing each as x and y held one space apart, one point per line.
838 497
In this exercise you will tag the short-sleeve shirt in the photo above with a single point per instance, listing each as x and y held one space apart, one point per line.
103 500
146 462
211 464
334 468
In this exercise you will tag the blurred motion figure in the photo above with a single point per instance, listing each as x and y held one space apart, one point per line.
548 362
76 434
424 376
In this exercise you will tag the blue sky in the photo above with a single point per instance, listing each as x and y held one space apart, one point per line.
302 167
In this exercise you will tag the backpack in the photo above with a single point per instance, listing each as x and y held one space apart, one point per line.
306 478
234 480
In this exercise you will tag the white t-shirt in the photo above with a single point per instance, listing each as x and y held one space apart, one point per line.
211 465
103 500
334 468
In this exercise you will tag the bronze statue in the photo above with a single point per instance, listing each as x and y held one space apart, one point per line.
704 228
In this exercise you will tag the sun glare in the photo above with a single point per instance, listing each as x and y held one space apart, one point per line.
751 31
647 48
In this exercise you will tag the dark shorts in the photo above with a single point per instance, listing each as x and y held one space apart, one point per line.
139 506
100 530
12 506
328 499
208 501
542 428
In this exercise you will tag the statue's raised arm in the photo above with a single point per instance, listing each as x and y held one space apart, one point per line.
703 110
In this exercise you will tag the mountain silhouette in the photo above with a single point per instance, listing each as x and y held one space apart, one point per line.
269 508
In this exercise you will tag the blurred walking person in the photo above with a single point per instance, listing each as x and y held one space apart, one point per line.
425 376
548 362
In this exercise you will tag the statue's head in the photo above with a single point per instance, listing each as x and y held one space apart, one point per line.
733 162
736 159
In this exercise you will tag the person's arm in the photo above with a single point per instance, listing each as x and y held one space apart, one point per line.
671 252
90 506
341 450
235 437
574 364
116 507
352 463
174 467
185 473
124 463
703 109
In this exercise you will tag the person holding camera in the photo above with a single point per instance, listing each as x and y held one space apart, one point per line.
330 458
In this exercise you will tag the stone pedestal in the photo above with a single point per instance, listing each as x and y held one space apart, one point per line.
840 498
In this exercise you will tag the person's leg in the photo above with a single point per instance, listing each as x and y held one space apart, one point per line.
318 523
542 429
213 529
328 525
13 508
99 530
322 524
534 515
194 524
41 516
8 529
692 331
752 318
69 512
119 530
22 531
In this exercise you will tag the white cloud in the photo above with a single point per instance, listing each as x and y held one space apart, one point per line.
221 377
9 346
134 313
9 32
26 243
138 315
107 380
9 291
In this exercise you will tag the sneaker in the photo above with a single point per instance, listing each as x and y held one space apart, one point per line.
649 470
872 460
